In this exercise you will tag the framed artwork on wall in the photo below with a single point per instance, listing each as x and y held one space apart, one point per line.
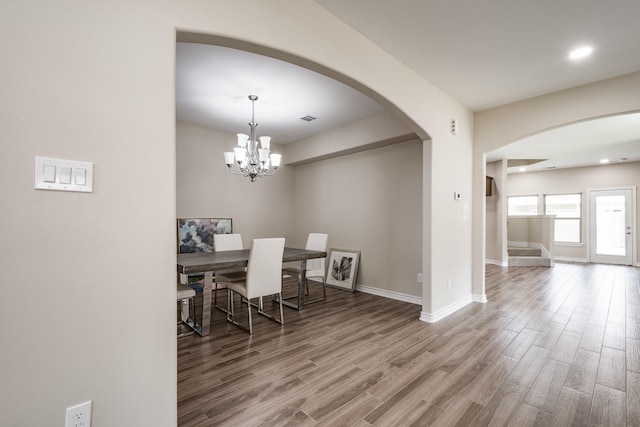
196 234
342 268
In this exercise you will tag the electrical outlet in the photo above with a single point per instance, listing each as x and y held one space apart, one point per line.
449 284
419 277
79 415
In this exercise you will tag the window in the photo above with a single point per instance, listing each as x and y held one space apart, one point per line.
568 211
522 205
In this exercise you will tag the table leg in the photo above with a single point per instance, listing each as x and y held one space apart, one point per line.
206 303
301 283
301 289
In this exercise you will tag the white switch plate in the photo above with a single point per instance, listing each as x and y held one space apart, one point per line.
64 175
79 415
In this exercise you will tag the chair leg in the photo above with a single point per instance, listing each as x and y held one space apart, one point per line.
192 301
281 316
260 308
215 297
249 310
229 304
324 292
231 314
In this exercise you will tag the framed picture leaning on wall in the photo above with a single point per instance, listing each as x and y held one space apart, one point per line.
342 268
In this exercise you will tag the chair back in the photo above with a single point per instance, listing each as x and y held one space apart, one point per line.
264 270
227 242
316 266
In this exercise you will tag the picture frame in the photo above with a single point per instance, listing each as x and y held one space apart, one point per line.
196 234
342 268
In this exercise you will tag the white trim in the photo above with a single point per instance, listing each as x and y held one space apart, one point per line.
496 262
569 244
389 294
481 298
529 216
571 259
450 309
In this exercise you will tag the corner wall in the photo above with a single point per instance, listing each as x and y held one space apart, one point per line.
370 201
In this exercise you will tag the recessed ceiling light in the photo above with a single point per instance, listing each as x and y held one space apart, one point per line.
604 161
581 52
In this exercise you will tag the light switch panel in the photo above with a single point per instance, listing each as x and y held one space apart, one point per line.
63 175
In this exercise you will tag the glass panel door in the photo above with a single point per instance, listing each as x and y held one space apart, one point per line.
610 226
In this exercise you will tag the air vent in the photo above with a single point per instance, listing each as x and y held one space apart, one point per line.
308 118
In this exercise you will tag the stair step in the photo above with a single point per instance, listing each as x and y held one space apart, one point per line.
529 261
524 251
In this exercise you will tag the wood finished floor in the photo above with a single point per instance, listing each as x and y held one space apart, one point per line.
552 347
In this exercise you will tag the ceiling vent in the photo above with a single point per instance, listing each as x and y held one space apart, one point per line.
308 118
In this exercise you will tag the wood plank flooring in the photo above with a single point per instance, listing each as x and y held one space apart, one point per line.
552 347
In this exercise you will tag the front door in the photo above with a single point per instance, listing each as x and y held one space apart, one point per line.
611 226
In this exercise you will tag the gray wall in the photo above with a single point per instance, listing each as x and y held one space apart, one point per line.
370 201
206 189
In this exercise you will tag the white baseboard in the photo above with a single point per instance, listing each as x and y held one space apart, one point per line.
570 259
481 298
497 262
450 309
389 294
424 316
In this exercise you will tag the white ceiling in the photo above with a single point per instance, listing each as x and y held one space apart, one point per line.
484 53
213 85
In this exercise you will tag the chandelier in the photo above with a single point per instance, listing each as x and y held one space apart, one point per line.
251 161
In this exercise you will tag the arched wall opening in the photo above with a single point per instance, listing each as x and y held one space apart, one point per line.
501 126
384 251
572 150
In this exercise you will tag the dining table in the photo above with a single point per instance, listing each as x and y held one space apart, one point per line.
208 262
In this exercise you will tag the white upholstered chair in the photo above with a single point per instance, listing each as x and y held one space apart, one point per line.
226 242
264 278
315 267
187 295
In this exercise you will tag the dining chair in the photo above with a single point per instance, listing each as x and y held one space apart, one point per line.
315 267
264 277
226 242
186 295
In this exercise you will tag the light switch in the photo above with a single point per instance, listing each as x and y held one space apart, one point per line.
81 176
65 175
49 173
